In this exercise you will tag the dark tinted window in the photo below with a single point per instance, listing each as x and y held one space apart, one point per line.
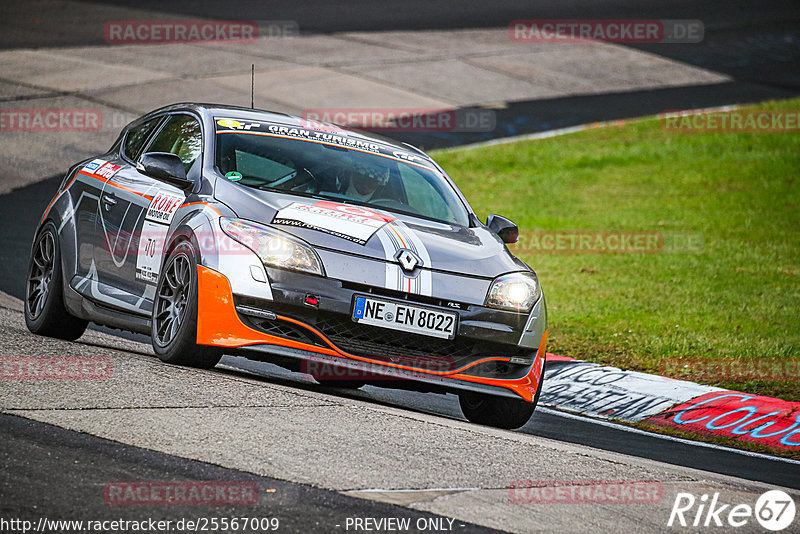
180 136
136 138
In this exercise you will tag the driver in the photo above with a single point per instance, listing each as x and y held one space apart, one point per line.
365 181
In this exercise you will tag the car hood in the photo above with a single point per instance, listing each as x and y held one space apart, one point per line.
374 234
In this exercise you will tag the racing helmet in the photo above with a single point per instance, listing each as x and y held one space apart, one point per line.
370 177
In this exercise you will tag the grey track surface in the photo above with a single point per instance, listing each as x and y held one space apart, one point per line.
272 428
550 424
60 474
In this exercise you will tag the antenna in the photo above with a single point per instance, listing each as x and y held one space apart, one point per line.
252 85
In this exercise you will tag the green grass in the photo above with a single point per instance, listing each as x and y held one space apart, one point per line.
736 298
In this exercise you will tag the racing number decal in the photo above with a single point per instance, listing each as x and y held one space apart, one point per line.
154 233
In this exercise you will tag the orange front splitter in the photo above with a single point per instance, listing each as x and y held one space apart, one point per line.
219 325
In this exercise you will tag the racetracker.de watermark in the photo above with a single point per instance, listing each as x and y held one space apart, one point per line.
403 119
368 371
787 370
731 121
196 31
180 493
610 31
585 491
50 120
606 242
55 368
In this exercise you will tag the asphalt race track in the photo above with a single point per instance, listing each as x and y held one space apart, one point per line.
41 459
322 455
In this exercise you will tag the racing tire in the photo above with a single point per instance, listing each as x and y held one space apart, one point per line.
174 320
500 412
45 313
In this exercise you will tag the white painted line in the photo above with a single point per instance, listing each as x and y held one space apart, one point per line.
624 428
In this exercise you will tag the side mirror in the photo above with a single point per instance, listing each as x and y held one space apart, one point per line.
505 229
164 166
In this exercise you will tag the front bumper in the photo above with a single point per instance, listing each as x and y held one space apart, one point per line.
487 355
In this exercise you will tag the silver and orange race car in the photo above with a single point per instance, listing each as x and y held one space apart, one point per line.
343 255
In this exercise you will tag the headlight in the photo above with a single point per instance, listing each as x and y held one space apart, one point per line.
275 248
515 292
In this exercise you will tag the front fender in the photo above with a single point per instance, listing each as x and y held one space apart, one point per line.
220 252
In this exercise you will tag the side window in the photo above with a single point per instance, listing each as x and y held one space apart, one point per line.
181 136
136 138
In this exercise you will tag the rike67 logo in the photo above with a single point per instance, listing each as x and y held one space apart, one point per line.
774 510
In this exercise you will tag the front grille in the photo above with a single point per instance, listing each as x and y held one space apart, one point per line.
416 350
403 348
284 329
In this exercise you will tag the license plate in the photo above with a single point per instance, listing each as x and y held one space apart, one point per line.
405 317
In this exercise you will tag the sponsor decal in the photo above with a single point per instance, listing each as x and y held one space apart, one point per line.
769 421
93 165
234 176
596 390
354 223
107 170
102 168
233 124
326 134
154 234
162 207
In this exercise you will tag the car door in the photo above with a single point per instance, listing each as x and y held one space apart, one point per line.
119 211
143 208
85 192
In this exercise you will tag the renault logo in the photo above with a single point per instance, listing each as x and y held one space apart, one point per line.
408 260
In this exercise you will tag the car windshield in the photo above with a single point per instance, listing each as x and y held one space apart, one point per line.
385 179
